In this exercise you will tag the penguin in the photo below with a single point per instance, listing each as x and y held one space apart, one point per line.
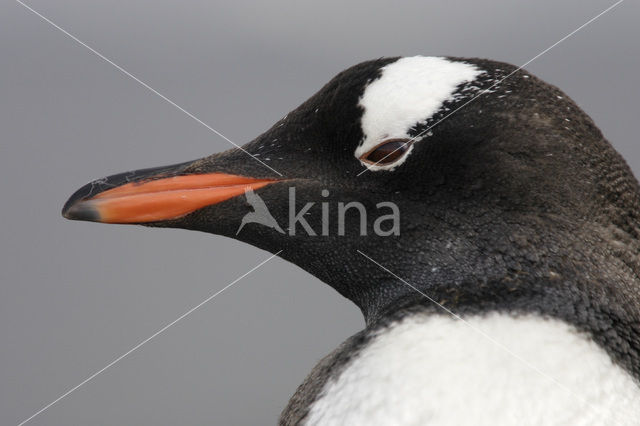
500 286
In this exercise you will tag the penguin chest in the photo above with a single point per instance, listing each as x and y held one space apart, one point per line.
489 370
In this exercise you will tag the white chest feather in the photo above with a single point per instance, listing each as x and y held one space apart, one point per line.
436 370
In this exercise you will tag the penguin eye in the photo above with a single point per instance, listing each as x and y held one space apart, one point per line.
387 152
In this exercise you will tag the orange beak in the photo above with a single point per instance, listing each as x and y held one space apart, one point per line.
156 199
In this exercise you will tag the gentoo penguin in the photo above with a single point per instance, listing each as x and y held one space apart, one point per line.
490 235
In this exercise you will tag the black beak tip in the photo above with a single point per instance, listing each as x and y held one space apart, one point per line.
79 210
79 207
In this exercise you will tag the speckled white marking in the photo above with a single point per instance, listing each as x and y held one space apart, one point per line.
408 92
435 370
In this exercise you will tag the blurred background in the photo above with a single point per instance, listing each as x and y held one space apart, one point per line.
74 296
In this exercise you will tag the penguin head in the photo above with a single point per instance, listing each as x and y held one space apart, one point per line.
446 170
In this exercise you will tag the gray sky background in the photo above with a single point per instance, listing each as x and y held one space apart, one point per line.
74 296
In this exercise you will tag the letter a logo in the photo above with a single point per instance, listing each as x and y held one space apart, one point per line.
260 213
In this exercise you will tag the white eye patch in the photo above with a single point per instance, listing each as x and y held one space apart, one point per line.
409 92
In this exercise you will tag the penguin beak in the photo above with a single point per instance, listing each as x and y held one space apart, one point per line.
153 195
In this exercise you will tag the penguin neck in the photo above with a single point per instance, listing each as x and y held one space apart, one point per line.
543 276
